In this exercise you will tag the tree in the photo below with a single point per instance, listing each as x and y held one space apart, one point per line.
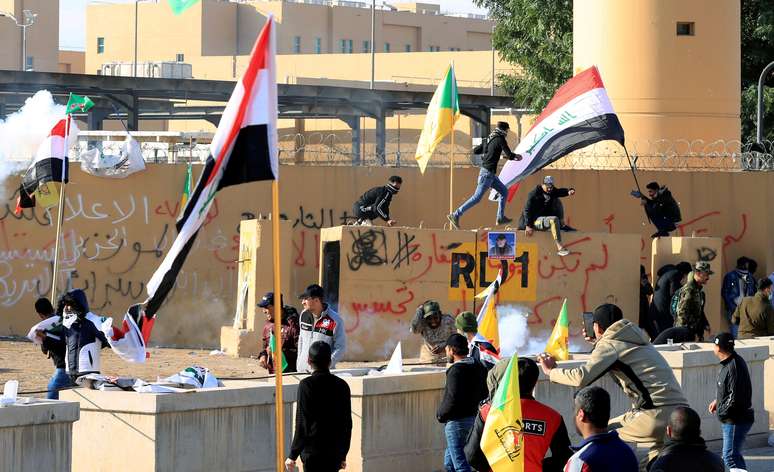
537 36
757 52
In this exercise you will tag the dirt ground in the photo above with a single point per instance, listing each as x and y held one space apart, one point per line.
23 361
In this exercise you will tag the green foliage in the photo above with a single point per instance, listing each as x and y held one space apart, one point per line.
757 52
750 113
536 35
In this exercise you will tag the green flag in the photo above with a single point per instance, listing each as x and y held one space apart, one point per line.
186 188
273 348
179 6
78 103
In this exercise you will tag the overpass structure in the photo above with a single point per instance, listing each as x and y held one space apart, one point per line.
136 98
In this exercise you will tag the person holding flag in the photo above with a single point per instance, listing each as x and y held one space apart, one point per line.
495 147
543 427
558 344
290 332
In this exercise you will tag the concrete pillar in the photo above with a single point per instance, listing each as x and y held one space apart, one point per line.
132 120
2 111
299 140
380 137
354 125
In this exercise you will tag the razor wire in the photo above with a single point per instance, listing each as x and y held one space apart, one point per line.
336 148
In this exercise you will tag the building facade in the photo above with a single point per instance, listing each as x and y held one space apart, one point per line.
42 35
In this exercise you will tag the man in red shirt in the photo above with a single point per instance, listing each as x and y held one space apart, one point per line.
544 427
289 329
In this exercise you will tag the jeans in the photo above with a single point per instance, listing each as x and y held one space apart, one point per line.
60 379
486 180
734 436
456 435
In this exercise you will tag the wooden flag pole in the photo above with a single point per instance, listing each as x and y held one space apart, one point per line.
451 174
60 213
278 402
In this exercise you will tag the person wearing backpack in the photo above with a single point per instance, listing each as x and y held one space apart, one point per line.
689 301
495 146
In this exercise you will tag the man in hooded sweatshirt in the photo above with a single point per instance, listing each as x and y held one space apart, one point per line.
375 203
622 350
83 338
661 208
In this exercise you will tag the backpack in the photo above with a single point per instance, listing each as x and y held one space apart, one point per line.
481 148
675 301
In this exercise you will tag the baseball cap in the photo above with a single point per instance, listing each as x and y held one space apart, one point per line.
268 300
703 266
313 291
431 308
607 314
548 180
725 341
466 322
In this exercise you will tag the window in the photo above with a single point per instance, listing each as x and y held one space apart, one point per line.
366 46
30 63
435 48
180 57
408 48
296 44
685 28
345 46
386 47
100 45
318 45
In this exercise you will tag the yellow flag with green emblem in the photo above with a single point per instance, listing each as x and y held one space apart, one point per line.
557 343
443 112
502 439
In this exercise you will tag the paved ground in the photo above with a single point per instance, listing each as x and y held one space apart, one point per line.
760 460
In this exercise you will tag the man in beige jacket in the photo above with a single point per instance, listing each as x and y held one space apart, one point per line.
622 350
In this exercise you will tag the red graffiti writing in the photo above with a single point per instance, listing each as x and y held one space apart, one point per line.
383 307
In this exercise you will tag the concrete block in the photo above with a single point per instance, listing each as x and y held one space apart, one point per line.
768 373
37 436
230 428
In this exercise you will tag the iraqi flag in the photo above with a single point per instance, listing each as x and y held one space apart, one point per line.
50 163
244 149
579 114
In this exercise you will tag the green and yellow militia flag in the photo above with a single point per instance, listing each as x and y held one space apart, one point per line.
186 187
273 349
78 103
502 439
179 6
443 112
557 344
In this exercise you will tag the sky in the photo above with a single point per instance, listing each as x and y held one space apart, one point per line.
72 18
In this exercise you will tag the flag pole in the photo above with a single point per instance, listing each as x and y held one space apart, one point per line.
451 152
631 166
60 212
278 402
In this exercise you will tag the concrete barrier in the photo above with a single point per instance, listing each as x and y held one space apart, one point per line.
37 437
230 428
768 373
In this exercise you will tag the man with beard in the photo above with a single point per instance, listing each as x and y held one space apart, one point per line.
435 328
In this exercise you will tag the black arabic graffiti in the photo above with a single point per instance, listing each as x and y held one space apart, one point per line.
367 248
706 254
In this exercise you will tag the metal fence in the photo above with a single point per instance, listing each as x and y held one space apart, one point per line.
335 148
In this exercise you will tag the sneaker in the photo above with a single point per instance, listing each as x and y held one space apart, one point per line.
568 229
504 220
563 252
454 220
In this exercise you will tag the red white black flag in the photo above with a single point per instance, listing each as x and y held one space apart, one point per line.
244 149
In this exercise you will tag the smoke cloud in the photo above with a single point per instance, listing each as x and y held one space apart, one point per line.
22 132
516 336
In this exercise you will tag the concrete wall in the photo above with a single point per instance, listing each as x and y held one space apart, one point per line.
385 273
115 235
37 436
768 373
231 428
72 62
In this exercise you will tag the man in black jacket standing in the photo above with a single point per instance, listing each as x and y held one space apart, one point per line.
661 208
375 203
323 418
685 448
52 343
733 403
495 146
543 212
670 279
465 388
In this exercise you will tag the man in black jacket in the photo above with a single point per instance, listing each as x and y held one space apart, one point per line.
733 403
323 418
685 448
465 388
661 208
375 203
543 212
495 146
670 279
52 343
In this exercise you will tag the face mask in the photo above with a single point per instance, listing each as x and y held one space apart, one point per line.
68 318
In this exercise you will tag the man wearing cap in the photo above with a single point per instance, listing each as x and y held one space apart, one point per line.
375 203
755 315
482 351
733 403
435 328
543 211
495 147
318 322
622 350
289 332
689 310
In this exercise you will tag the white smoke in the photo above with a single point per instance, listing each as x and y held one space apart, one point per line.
516 336
22 132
